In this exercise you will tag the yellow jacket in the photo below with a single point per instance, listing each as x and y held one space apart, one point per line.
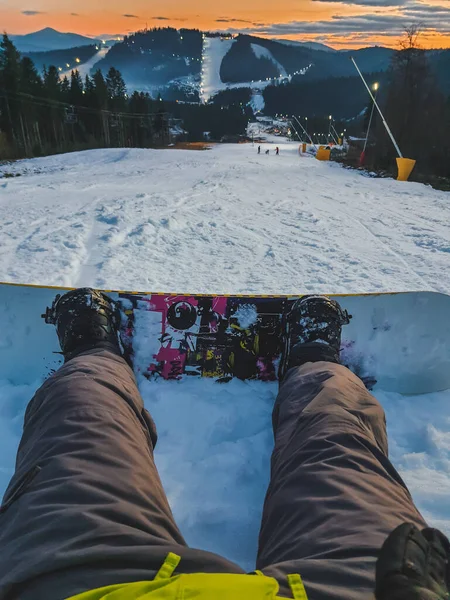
197 586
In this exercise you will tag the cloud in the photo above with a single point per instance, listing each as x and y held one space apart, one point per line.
32 13
167 19
378 23
367 2
130 16
226 20
424 11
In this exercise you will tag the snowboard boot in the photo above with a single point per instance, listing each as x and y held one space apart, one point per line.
315 327
85 319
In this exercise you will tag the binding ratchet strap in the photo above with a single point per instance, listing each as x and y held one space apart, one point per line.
169 565
297 587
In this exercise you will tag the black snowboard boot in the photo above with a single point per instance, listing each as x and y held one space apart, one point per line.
315 326
85 319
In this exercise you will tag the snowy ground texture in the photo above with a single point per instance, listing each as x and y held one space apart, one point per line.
228 220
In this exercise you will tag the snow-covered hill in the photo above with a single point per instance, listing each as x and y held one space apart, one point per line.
125 218
228 220
85 68
214 51
50 39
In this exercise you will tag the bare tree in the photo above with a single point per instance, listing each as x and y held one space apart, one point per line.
411 34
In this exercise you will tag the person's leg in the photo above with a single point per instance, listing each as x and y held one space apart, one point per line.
334 496
86 506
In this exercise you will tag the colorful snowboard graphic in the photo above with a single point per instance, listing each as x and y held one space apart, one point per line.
220 337
396 342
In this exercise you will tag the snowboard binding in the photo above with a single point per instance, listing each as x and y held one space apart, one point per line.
85 319
313 332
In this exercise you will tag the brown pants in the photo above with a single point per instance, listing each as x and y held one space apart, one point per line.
86 507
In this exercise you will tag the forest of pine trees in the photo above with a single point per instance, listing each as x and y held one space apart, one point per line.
418 113
45 114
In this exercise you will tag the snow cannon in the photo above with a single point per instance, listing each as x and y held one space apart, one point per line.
405 167
323 153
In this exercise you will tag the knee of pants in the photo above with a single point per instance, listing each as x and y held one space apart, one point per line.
328 389
95 379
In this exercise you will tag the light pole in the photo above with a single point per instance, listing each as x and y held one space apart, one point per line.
329 129
375 87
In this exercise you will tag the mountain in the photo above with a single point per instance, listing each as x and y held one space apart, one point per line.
188 65
182 63
152 60
298 61
66 60
49 39
311 45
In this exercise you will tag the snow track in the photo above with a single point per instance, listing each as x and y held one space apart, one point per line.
262 52
85 68
228 220
225 220
214 51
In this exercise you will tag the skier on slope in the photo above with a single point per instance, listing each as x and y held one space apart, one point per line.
277 151
259 149
86 517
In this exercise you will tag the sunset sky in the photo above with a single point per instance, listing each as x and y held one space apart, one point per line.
349 23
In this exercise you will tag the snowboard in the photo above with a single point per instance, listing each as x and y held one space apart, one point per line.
395 342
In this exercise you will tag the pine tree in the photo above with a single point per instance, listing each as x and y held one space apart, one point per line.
76 89
30 111
65 89
88 85
52 89
116 90
9 85
30 80
100 90
52 83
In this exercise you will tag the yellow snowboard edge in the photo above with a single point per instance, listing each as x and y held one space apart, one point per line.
140 293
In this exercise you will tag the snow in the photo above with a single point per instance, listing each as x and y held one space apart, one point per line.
311 45
164 220
257 102
227 220
214 51
85 68
262 52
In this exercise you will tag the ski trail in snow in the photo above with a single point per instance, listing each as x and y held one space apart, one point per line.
225 220
85 68
422 283
263 52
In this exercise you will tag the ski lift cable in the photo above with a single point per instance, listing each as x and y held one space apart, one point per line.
57 103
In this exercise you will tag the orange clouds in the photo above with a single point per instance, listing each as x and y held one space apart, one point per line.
353 23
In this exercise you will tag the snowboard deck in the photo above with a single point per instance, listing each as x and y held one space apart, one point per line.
395 341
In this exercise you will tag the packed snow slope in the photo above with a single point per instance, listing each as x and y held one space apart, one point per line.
223 220
228 220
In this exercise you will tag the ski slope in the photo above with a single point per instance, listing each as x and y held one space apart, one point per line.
228 220
262 52
213 53
85 68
